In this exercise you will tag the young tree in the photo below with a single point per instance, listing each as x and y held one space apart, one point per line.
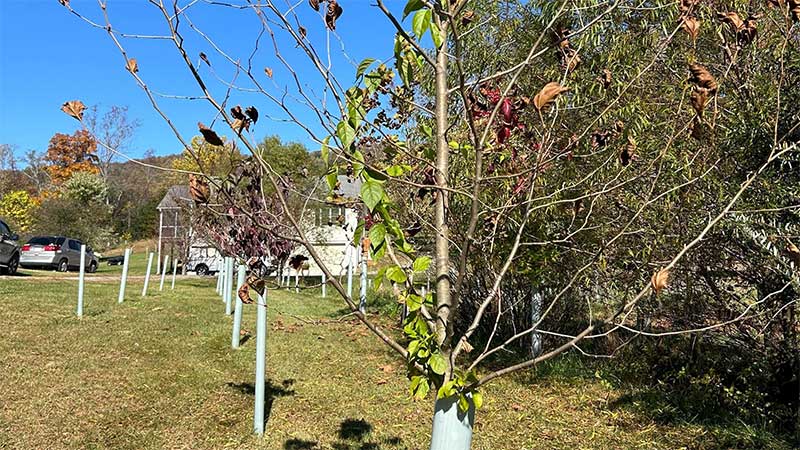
113 130
36 171
589 149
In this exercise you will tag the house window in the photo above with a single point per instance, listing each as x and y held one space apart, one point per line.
329 215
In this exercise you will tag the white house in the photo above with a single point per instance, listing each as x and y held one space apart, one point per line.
330 228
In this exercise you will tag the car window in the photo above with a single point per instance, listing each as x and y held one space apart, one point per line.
41 240
60 241
4 229
73 245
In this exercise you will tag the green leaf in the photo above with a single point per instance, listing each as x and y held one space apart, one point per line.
413 347
372 81
420 387
346 134
379 278
437 363
446 390
396 274
394 171
371 193
377 234
414 302
421 264
421 22
411 6
463 403
332 177
436 35
364 66
375 175
477 399
324 150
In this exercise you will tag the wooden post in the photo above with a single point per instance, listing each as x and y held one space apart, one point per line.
160 227
261 363
80 280
147 275
124 279
324 284
296 281
237 312
163 273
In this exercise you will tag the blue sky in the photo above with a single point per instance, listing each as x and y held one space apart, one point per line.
49 56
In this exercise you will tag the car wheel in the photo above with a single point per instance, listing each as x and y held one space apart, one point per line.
13 265
92 267
201 270
63 265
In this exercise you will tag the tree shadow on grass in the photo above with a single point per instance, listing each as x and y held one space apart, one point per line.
299 444
271 392
354 435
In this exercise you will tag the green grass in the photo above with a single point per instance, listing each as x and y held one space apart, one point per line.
158 372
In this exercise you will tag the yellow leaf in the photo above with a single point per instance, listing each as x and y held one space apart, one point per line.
659 280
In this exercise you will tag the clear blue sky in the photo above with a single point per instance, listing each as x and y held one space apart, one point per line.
49 56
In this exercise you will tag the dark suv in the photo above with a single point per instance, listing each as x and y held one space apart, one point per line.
9 250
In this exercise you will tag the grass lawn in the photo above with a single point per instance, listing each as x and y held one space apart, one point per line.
158 372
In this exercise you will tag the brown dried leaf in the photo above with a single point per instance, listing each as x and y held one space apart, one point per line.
302 31
205 59
132 65
252 113
570 59
314 4
659 280
548 94
466 345
605 78
74 108
257 284
629 152
268 71
237 113
198 189
244 294
703 78
732 19
209 135
468 17
699 99
748 32
794 253
333 13
692 26
238 125
388 368
794 10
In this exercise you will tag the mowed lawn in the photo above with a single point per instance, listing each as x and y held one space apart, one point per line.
158 372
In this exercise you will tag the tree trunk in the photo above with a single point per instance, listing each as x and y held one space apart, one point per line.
452 429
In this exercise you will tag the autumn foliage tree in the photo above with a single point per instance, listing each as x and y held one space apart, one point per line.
67 154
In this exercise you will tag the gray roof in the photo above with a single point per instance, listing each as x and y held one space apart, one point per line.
349 188
176 197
